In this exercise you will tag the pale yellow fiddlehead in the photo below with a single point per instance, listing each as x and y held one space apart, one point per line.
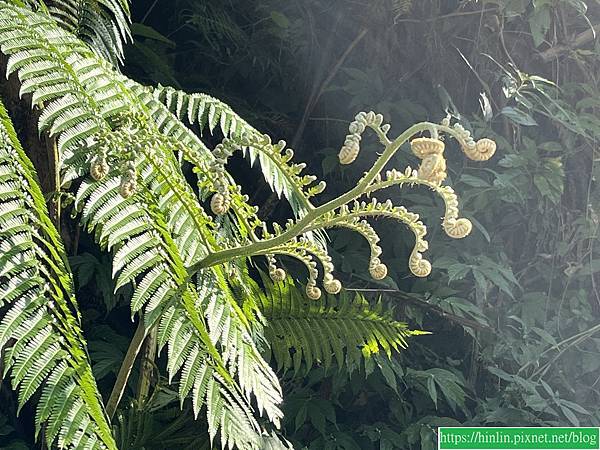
484 149
419 266
219 203
221 200
350 149
99 166
431 151
424 146
276 273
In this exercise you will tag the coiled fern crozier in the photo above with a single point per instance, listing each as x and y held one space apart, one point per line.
120 147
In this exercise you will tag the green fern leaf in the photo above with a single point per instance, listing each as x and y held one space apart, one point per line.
303 333
103 24
229 326
42 340
208 111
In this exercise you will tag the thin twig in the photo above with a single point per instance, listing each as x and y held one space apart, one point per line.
503 44
446 16
329 119
149 11
570 341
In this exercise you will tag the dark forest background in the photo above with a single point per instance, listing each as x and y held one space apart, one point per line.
513 309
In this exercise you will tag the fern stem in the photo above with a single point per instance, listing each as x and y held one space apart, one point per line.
300 226
119 388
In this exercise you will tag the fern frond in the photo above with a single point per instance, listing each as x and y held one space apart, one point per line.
41 337
208 112
229 328
353 218
162 291
204 375
196 153
73 111
103 24
304 333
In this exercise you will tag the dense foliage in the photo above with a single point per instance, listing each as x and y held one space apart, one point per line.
513 310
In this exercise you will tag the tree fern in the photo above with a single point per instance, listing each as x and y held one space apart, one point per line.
118 145
137 228
341 329
39 333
